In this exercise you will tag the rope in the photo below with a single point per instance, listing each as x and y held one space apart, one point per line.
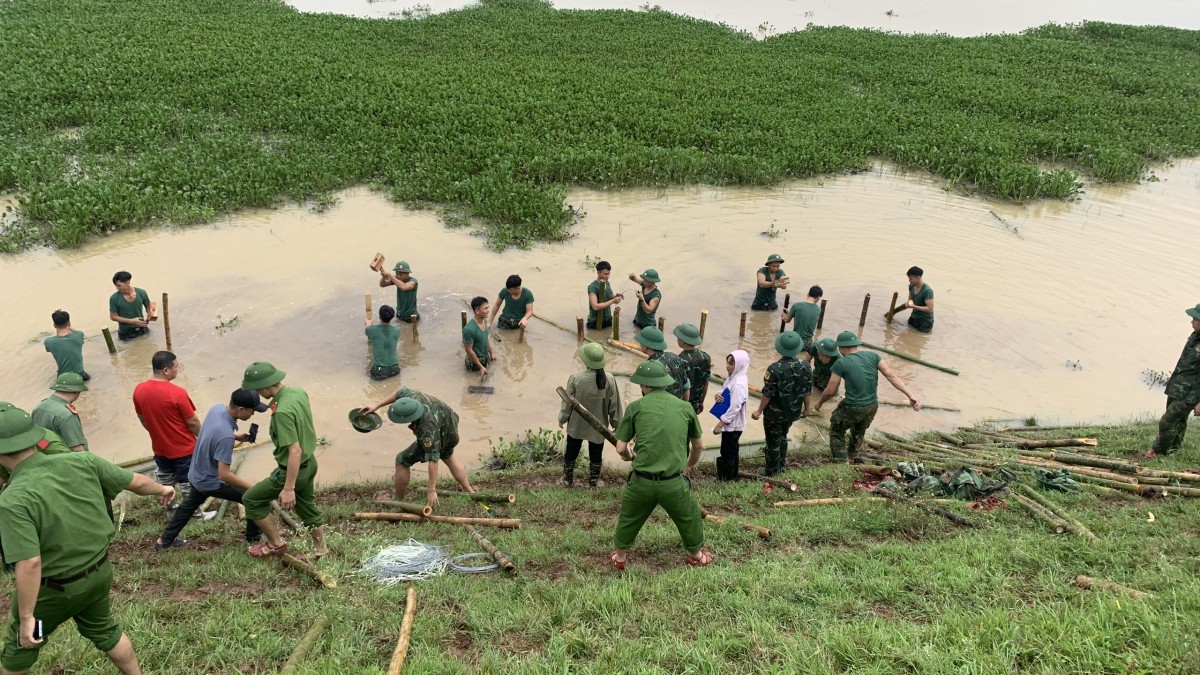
458 568
416 561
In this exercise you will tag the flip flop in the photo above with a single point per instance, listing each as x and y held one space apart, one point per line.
703 558
619 564
264 550
1150 455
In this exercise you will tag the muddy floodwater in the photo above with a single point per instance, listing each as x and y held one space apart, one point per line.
1054 312
769 17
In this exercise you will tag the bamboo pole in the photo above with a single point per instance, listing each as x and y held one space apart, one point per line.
662 323
1087 582
952 440
1143 490
892 309
486 497
285 516
741 326
616 323
587 416
821 316
762 532
909 357
714 518
744 444
135 465
463 314
824 501
112 348
507 523
306 567
398 656
897 404
1098 462
416 332
862 319
505 563
1074 525
521 332
636 351
166 322
1058 443
1174 475
578 329
787 300
785 484
407 507
1178 491
1052 521
703 321
300 653
367 305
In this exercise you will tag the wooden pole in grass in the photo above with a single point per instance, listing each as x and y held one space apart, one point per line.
1052 521
742 326
787 300
714 518
509 523
306 644
306 567
762 532
821 316
408 507
892 309
166 322
616 323
785 484
112 348
1088 583
1073 524
703 321
505 563
520 334
485 497
410 610
415 320
862 318
578 328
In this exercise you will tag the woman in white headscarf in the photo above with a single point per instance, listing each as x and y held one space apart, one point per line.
732 422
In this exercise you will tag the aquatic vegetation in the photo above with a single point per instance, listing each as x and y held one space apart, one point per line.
198 109
536 447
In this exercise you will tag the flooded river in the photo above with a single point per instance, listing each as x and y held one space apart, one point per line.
1100 282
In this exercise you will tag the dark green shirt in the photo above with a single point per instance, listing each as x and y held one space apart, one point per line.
678 370
50 445
787 382
514 309
292 422
821 371
764 298
437 430
55 414
55 507
698 367
805 315
663 424
1185 380
67 351
383 339
406 301
920 300
128 309
642 319
860 372
477 337
605 296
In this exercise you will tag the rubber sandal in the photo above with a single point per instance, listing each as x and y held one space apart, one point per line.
619 564
1150 455
265 550
702 559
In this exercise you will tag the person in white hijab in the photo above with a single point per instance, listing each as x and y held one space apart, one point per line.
732 422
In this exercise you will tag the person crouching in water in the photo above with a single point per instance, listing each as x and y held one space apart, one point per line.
732 422
597 392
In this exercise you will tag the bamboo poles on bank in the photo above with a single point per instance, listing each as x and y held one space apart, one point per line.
306 567
502 560
508 523
401 652
300 653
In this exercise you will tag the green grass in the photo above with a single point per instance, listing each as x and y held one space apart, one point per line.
124 113
864 588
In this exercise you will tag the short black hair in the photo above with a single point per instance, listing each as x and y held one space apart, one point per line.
915 271
477 302
603 265
815 292
60 318
122 276
514 281
386 313
162 360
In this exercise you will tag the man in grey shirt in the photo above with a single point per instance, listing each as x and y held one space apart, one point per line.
210 474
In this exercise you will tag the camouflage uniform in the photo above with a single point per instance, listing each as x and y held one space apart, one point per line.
1183 393
679 370
855 419
821 371
437 431
699 367
787 382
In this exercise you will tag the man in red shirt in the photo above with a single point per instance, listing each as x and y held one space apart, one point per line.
167 412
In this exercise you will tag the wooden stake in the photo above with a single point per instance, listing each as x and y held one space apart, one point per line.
787 300
416 320
509 523
408 507
862 319
762 532
304 566
410 610
907 357
464 318
662 322
520 334
112 348
708 516
742 326
892 310
821 316
578 328
703 321
587 416
505 563
166 322
616 323
367 304
306 644
785 484
1088 582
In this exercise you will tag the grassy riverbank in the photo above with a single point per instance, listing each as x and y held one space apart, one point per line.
864 588
119 114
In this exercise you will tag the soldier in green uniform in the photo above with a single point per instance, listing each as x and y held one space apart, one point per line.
1183 394
770 279
475 338
654 346
920 301
383 338
822 354
697 363
294 479
57 413
649 298
514 305
66 345
806 315
855 413
125 307
55 532
435 425
668 443
406 290
785 385
601 297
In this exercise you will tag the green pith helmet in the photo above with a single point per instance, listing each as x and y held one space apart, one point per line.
1194 312
688 333
364 422
402 267
69 382
847 338
260 375
592 356
651 275
17 430
653 338
406 410
789 343
827 347
652 374
774 258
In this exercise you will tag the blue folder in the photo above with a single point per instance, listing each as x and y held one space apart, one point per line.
721 408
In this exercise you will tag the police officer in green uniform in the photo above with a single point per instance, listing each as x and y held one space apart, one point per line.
654 346
55 531
436 427
406 290
664 428
1183 394
785 385
50 445
697 363
770 279
855 413
294 479
57 411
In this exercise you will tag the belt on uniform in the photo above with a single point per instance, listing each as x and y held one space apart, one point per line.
659 477
59 583
302 466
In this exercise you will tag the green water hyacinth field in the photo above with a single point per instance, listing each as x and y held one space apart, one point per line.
119 114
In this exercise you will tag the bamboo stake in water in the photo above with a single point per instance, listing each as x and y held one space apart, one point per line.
367 301
821 317
616 323
464 318
112 348
909 357
520 334
662 322
166 322
892 310
415 320
742 326
862 319
578 328
703 321
787 300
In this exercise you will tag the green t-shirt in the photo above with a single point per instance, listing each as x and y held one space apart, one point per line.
594 288
642 319
406 301
56 507
860 372
663 424
437 430
764 298
50 445
67 351
920 299
55 414
821 371
292 422
383 339
128 309
514 310
475 335
805 315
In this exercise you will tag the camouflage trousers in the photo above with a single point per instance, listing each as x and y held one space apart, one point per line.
471 364
1172 426
854 419
776 426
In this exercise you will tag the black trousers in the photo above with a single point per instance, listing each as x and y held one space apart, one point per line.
194 501
727 463
574 445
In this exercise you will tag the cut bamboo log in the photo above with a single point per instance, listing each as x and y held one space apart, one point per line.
1099 462
709 516
785 484
507 523
285 516
1052 521
1174 475
1177 491
300 653
502 560
862 319
1073 525
486 497
367 305
1057 443
909 357
1143 490
166 322
703 321
306 567
225 502
587 415
625 346
762 532
1087 582
741 326
876 470
787 301
951 439
820 317
578 330
112 347
407 507
398 656
892 309
463 314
